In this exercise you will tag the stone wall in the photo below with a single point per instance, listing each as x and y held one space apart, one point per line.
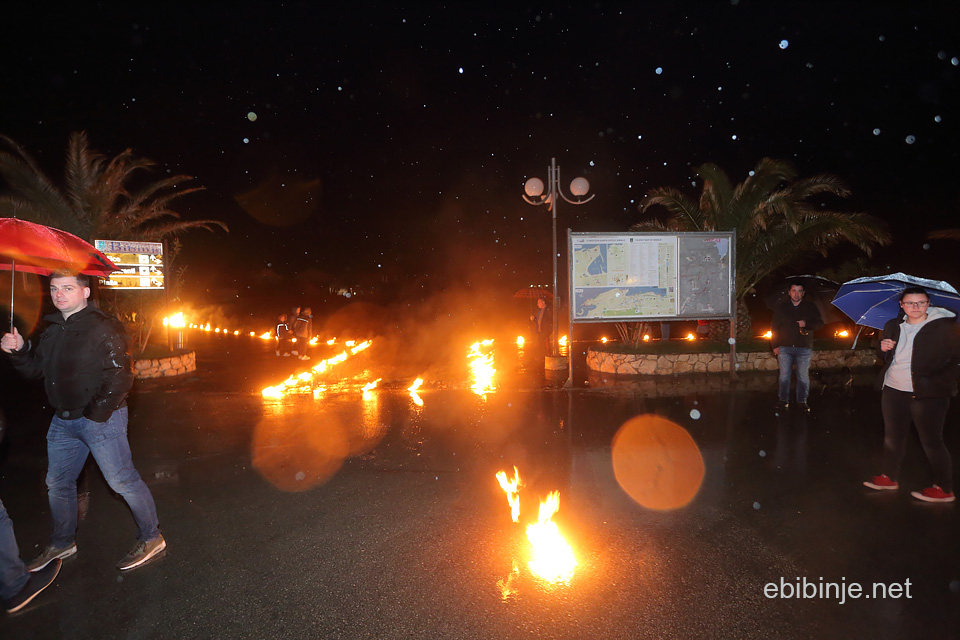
165 367
668 364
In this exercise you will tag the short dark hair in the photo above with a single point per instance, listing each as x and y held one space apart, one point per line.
82 279
914 290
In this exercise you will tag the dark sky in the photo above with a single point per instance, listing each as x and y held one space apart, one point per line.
357 140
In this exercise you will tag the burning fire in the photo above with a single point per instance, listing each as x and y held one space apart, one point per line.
482 366
512 487
303 382
176 321
768 335
603 340
562 341
690 336
843 333
266 335
367 388
413 392
646 337
520 341
552 557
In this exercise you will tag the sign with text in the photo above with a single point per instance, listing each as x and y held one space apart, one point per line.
141 264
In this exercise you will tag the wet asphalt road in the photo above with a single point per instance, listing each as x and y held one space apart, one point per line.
344 517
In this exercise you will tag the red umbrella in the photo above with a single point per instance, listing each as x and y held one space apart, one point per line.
533 293
35 248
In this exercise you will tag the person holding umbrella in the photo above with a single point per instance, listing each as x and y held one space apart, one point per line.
794 321
920 350
85 361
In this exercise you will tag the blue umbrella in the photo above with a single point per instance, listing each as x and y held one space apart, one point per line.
874 300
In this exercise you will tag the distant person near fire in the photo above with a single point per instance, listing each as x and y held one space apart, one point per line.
303 330
542 323
84 359
794 321
284 335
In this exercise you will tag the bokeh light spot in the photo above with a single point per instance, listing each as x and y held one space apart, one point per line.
657 463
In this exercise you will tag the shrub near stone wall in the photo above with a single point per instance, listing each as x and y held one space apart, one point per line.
668 364
165 367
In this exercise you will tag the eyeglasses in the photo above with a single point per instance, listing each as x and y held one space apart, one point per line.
915 305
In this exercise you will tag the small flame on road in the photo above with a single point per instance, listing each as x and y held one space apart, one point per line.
520 341
482 366
413 392
553 558
176 321
368 388
511 487
768 335
690 337
843 333
562 341
266 335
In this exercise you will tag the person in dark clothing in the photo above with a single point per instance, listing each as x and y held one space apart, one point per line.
284 336
84 359
921 362
18 587
794 321
542 323
303 330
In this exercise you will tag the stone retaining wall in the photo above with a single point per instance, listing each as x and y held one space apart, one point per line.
668 364
165 367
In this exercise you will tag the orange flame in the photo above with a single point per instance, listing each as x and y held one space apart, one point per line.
512 487
176 321
768 335
562 341
603 340
553 559
482 366
690 336
843 333
266 335
519 341
646 338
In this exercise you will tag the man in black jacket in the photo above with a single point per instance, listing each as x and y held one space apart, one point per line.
794 322
87 369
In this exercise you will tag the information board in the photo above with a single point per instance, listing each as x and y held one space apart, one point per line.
624 277
141 264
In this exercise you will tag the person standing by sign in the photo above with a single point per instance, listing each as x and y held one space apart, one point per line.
794 321
542 322
84 359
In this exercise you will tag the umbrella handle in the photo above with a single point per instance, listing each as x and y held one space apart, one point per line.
856 338
13 281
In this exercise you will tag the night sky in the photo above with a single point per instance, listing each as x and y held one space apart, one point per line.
357 142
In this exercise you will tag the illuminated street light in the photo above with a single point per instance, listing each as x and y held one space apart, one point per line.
535 195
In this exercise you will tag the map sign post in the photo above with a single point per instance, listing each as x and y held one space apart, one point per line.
629 277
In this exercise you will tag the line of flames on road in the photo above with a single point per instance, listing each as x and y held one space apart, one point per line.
552 557
304 382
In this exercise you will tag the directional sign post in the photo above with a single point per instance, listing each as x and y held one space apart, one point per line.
141 264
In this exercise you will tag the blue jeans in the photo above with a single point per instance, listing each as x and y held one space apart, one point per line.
13 575
799 356
68 444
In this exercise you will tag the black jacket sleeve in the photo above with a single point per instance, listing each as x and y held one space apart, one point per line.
114 353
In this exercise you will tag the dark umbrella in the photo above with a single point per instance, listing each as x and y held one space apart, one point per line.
533 293
819 291
874 300
35 248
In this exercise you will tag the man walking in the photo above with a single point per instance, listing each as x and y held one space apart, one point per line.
794 321
86 365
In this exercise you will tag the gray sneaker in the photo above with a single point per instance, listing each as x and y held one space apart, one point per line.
142 552
50 554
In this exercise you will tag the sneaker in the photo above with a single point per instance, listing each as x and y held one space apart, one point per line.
36 583
882 482
933 494
142 552
783 405
50 554
803 407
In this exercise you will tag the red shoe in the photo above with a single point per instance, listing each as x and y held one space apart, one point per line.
933 494
882 482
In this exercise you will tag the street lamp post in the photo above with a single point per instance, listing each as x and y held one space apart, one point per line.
534 190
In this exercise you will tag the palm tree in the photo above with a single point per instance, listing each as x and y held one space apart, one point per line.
774 217
96 201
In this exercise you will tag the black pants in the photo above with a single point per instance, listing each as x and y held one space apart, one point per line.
928 414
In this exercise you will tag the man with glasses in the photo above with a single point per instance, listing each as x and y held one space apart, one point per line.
794 321
921 361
